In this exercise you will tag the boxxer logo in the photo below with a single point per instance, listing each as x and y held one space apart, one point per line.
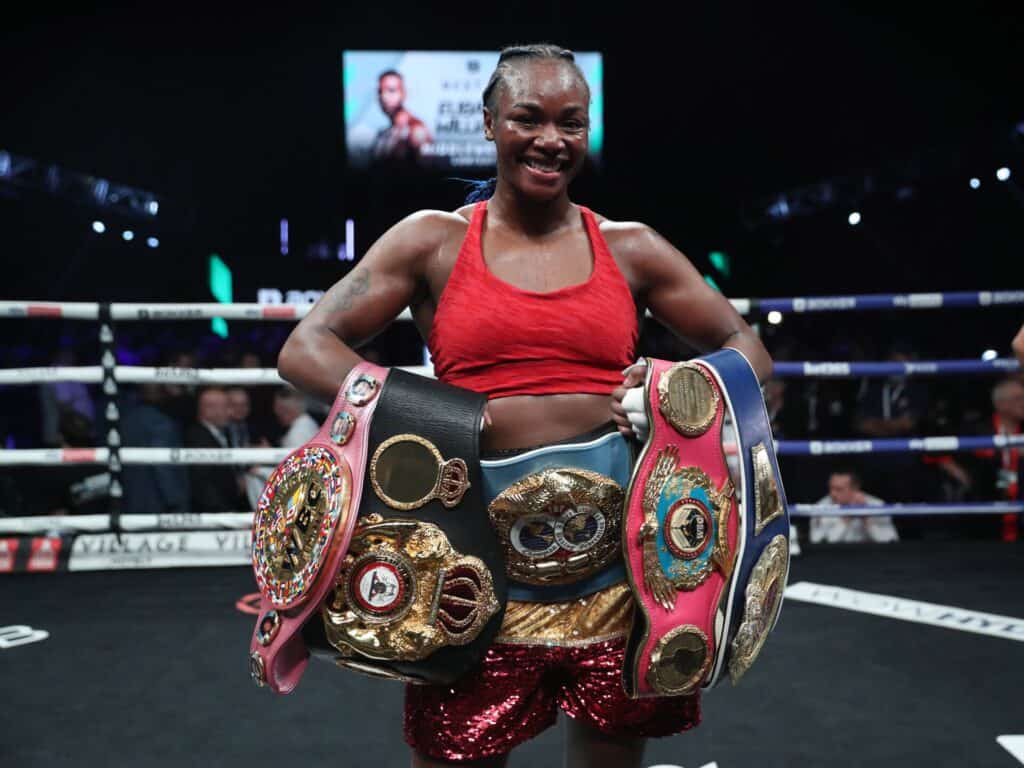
19 634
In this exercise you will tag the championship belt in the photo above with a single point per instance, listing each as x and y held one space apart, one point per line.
369 542
707 561
558 514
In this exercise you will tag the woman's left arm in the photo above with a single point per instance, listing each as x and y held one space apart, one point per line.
682 300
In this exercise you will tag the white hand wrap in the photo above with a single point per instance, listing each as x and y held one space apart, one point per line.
633 403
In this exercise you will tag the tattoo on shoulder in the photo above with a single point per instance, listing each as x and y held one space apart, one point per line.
355 284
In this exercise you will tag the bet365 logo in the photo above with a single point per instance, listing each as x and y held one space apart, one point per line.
19 634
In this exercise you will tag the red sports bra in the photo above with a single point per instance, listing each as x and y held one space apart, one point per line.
492 337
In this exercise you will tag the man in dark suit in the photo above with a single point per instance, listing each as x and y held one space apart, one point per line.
214 486
151 488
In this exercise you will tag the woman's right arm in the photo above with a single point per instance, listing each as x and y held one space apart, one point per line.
319 353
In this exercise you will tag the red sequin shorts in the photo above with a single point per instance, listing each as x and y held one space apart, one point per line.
519 687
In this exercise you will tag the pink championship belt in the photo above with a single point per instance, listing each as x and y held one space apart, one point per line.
680 532
302 528
707 562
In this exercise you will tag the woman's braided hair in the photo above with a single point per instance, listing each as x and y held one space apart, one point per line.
507 60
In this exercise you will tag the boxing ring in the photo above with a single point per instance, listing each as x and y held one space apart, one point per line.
905 654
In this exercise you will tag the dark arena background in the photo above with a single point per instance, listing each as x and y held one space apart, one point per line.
848 173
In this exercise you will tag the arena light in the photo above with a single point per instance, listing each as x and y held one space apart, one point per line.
221 287
128 235
975 183
720 261
153 242
99 227
774 317
854 218
1003 174
989 354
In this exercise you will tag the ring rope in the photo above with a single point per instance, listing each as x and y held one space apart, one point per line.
242 311
240 521
250 456
843 370
131 374
836 510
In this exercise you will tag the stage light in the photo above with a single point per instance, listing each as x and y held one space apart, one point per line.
975 183
153 207
1003 174
854 218
99 227
989 354
774 317
128 235
152 242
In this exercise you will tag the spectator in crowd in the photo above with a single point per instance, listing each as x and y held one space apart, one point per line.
215 487
844 489
290 410
783 414
263 426
299 428
893 407
78 489
59 397
180 403
997 471
238 413
151 488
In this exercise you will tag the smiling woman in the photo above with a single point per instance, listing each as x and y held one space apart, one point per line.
536 302
540 112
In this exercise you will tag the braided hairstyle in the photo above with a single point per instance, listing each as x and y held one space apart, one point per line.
508 60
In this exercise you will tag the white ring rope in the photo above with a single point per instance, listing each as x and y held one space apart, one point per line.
171 521
132 374
837 510
242 521
251 456
239 311
78 310
56 456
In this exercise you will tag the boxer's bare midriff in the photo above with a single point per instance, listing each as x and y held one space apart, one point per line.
524 421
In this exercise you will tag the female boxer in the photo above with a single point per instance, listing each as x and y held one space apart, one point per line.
535 301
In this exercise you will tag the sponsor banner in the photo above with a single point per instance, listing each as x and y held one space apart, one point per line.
34 554
824 303
935 444
178 549
824 447
18 634
1002 297
8 555
950 617
826 369
44 555
918 300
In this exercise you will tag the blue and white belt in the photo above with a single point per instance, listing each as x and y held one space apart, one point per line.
558 513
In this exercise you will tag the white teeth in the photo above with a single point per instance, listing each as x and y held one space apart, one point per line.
543 166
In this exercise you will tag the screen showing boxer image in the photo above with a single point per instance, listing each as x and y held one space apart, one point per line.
423 109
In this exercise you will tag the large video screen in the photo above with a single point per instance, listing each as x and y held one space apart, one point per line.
423 108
